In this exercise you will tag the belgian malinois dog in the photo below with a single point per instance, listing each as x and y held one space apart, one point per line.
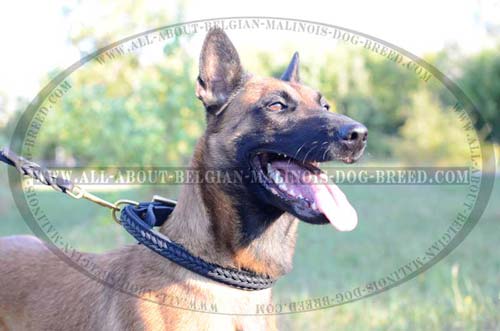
276 128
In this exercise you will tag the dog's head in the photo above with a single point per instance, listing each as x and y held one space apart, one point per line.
276 131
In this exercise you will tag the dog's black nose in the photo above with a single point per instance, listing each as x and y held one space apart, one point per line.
353 133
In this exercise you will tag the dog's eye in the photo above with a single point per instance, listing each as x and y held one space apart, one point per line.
326 107
276 106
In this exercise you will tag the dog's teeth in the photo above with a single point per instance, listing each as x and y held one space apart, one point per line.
274 191
269 168
300 196
282 187
292 192
275 175
313 206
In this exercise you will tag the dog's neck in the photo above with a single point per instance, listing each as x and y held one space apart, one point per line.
207 223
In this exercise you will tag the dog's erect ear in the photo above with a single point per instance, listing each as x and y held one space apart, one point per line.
220 70
291 73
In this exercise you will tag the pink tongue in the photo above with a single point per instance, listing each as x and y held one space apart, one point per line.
329 199
332 202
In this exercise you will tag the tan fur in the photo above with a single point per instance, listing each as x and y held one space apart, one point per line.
257 86
39 291
133 288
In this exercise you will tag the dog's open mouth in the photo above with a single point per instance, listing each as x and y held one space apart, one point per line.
305 187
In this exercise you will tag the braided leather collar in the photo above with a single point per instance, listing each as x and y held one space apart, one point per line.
139 222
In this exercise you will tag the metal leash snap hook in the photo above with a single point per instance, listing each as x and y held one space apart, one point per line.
76 192
117 204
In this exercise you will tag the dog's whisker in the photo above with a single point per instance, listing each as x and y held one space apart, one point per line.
298 151
326 151
310 150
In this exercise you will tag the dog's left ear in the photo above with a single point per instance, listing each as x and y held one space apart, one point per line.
291 73
220 70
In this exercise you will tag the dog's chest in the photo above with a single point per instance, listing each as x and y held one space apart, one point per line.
210 306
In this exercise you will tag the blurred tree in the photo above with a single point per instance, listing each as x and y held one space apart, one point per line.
122 113
481 82
372 90
432 134
134 111
391 90
130 110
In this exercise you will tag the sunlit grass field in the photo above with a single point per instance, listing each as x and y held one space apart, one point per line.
397 223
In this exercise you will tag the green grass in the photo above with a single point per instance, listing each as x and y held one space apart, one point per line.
397 224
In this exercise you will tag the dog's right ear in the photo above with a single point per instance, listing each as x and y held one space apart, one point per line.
291 73
221 72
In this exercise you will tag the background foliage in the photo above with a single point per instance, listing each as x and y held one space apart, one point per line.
154 105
